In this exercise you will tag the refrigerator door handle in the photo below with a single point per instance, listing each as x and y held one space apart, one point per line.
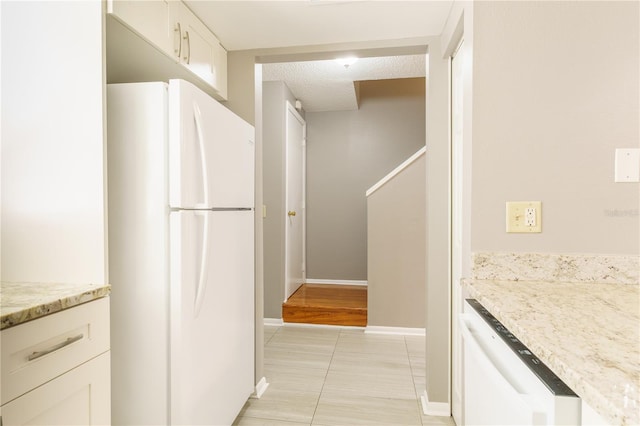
197 116
203 275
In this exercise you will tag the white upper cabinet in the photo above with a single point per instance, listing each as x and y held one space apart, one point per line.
197 48
220 69
192 52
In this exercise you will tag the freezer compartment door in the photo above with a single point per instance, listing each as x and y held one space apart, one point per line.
211 152
212 315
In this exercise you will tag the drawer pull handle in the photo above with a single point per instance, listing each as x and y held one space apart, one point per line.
61 345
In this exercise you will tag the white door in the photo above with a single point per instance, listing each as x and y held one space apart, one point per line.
212 315
294 201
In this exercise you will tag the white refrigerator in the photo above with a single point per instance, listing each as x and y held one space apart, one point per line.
181 255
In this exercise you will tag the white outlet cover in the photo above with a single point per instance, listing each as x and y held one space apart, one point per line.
627 167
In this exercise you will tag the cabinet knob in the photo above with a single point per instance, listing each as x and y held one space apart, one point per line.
291 213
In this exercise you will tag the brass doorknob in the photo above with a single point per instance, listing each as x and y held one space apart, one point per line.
291 213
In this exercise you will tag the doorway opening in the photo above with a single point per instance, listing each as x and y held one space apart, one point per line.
348 151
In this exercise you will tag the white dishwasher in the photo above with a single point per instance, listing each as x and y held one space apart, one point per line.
506 384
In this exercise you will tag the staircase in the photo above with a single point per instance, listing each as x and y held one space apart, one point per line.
327 304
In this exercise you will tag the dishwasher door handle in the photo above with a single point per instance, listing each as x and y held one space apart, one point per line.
501 380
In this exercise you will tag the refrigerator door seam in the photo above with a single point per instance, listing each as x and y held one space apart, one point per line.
212 209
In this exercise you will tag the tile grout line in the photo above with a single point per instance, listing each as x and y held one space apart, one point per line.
413 380
335 345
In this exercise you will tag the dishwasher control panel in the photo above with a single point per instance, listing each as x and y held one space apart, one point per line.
555 385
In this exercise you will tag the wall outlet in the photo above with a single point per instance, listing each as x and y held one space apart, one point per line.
524 216
530 216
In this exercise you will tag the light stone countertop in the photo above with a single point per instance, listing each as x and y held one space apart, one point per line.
587 333
22 302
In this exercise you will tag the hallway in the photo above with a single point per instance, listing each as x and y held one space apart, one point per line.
340 376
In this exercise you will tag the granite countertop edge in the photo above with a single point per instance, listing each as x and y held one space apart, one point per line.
605 398
22 302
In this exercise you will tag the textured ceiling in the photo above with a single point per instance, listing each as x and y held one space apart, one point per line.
329 86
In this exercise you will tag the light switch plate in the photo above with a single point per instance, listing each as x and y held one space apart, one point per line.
627 167
524 216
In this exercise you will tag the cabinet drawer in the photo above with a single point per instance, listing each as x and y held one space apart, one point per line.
40 350
80 397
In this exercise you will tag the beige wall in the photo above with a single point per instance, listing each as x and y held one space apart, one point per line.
555 91
347 153
396 249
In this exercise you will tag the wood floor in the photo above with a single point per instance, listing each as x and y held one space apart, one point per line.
327 304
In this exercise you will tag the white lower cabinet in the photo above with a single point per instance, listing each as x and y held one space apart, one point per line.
79 397
56 370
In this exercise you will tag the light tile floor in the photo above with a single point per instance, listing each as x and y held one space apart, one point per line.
340 376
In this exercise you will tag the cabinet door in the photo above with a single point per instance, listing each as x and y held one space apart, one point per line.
79 397
220 69
148 18
199 48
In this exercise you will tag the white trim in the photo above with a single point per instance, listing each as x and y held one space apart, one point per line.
440 409
273 321
403 331
306 325
337 282
397 170
261 387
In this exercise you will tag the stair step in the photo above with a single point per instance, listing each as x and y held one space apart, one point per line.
327 304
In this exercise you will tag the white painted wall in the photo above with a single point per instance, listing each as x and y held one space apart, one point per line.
53 183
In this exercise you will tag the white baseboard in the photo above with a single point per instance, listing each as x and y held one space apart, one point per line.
335 282
328 326
273 321
261 387
404 331
441 409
